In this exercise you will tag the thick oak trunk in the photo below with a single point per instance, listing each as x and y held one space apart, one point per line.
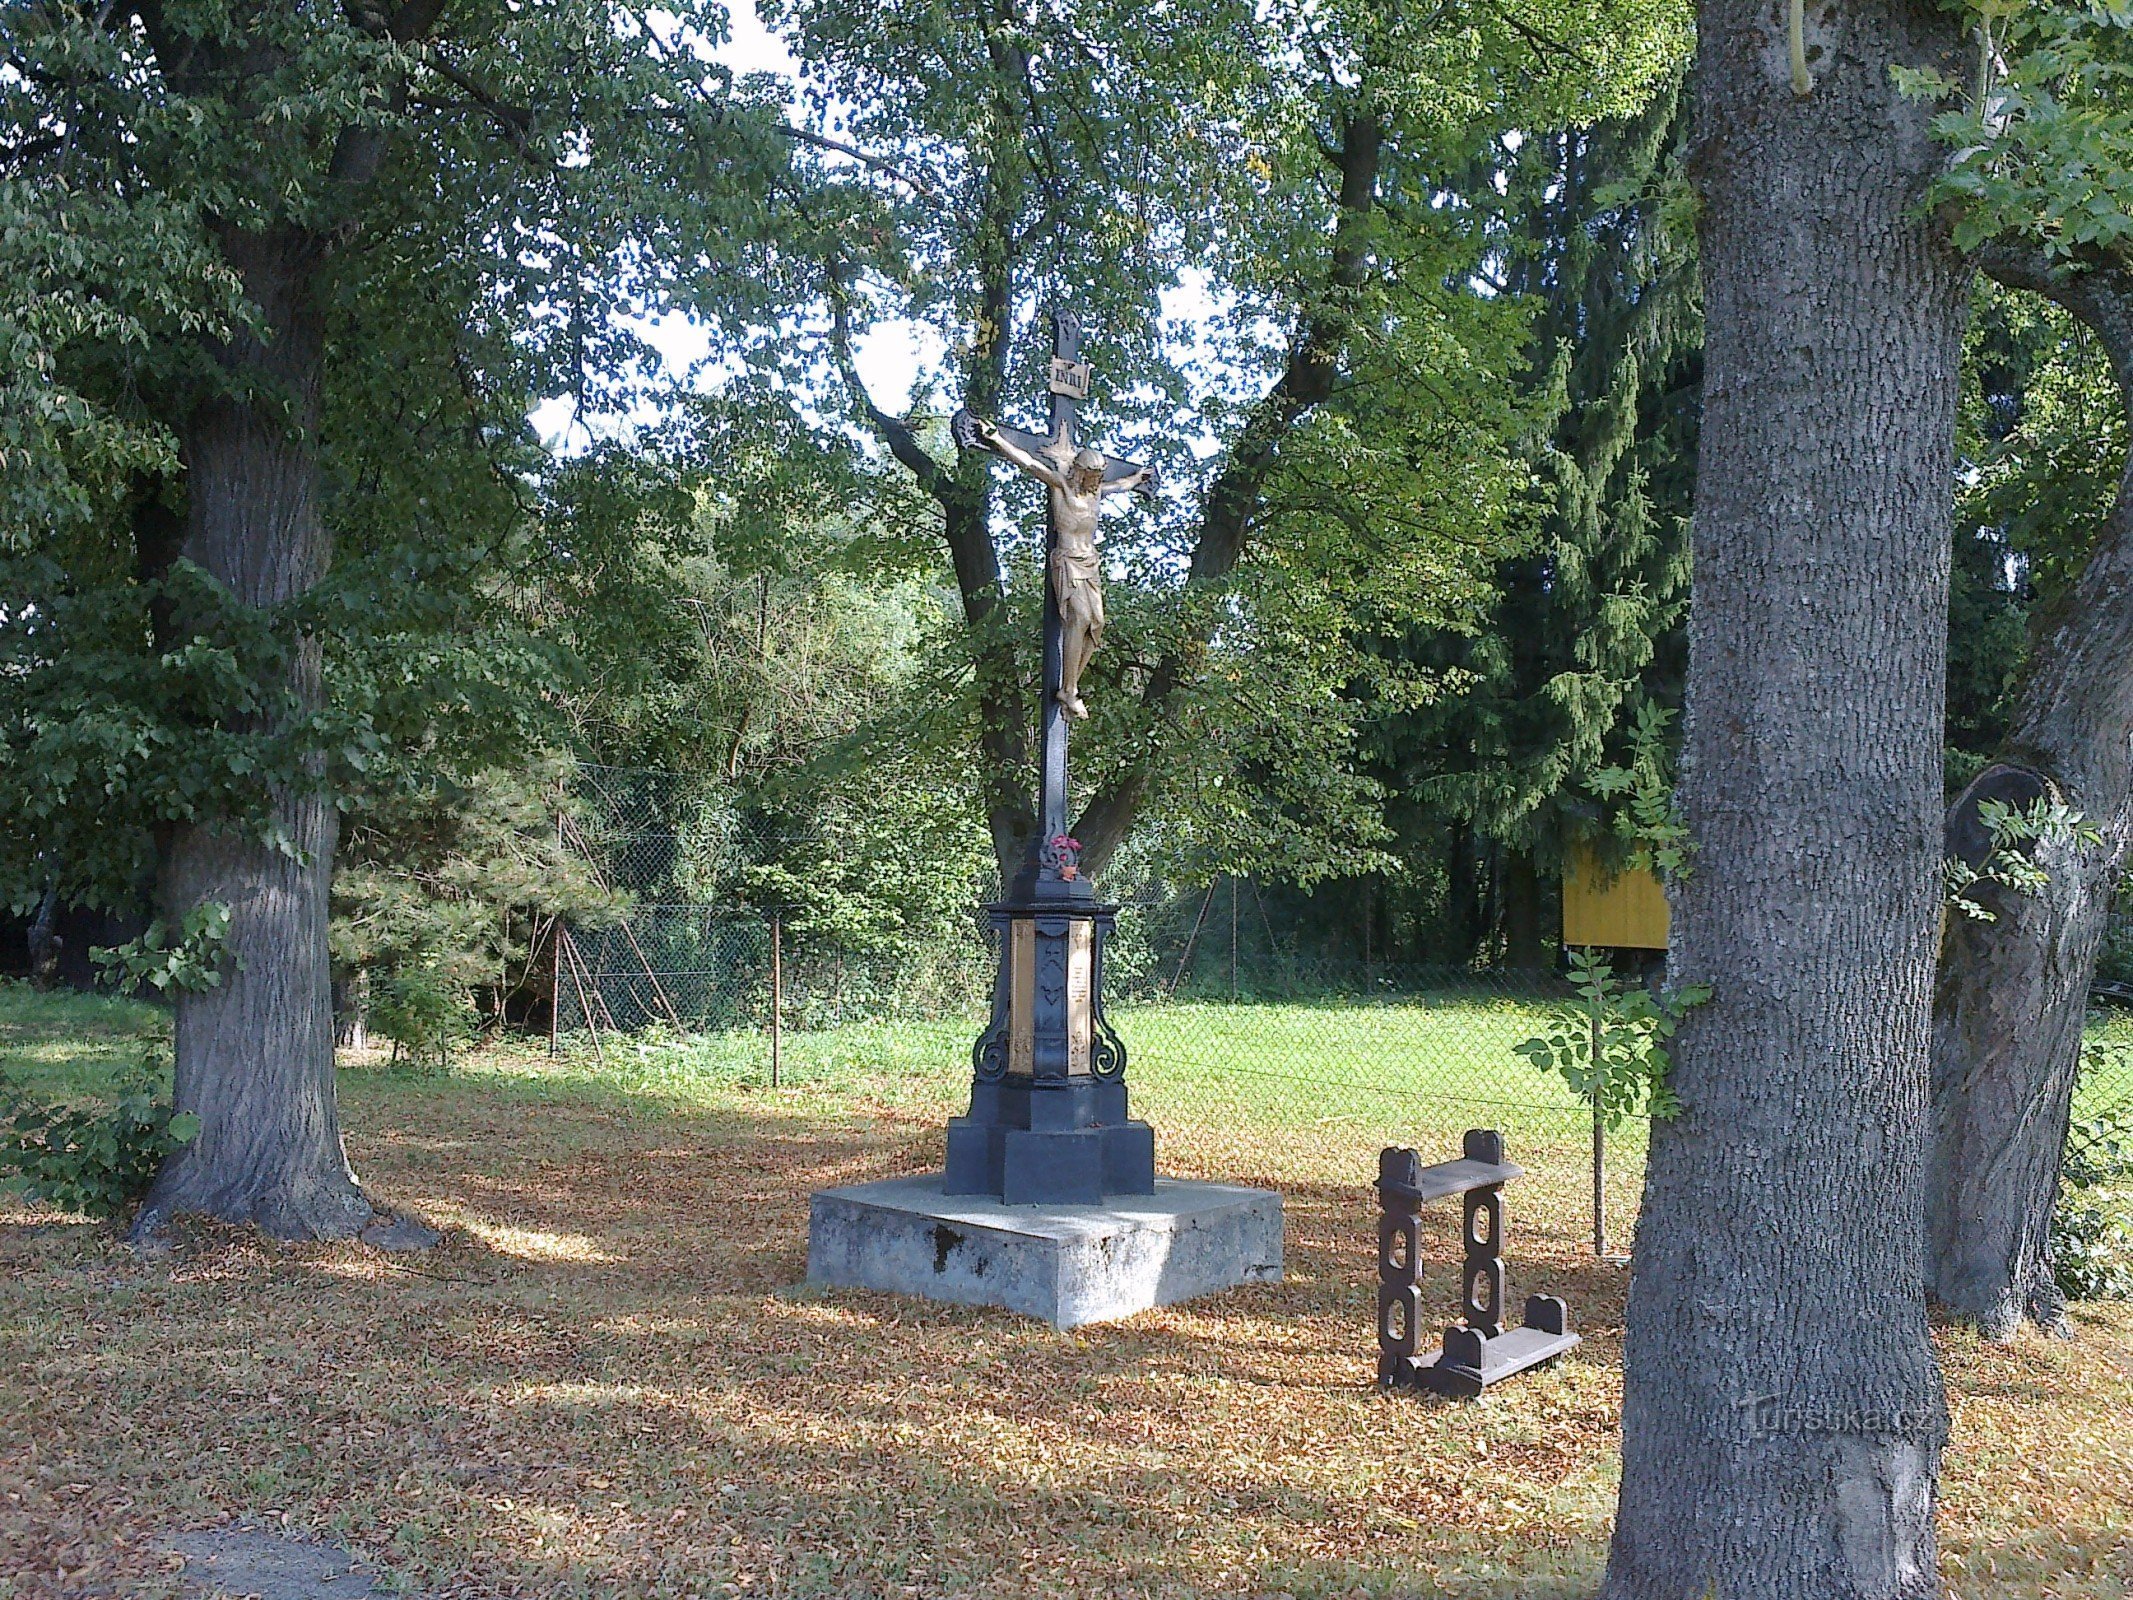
2007 1021
1782 1413
255 1054
43 940
2013 992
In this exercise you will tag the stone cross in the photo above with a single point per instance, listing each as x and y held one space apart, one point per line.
1048 1121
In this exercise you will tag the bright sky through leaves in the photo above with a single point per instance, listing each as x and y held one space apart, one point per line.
892 356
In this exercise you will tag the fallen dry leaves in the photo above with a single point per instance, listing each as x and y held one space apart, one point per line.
608 1383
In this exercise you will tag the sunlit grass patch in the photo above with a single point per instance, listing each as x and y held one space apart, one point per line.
67 1046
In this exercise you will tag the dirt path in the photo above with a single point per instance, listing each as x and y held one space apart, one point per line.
243 1561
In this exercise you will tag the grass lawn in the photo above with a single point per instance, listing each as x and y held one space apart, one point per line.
607 1382
1315 1089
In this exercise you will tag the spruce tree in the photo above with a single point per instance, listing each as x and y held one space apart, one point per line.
1588 616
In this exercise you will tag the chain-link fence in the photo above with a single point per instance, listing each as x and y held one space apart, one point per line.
1280 1071
2103 1095
700 970
1255 1060
1253 1068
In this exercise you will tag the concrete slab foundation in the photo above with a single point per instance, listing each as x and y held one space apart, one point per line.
1065 1264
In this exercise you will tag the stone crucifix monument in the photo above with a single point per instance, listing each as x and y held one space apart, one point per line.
1049 1203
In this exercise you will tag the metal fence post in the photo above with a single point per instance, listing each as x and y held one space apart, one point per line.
1233 936
777 992
555 942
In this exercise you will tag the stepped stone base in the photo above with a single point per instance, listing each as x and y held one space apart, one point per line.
1065 1264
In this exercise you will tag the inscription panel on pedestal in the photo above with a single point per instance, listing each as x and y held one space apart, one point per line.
1022 993
1081 939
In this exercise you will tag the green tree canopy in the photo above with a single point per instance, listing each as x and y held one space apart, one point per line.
285 279
1257 213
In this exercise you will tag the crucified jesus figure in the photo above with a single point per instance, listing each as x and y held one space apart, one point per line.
1078 488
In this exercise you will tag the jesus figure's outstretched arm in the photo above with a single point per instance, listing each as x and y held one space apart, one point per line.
1141 482
988 435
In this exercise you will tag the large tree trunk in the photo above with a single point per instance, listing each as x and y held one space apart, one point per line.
2007 1020
255 1054
1233 498
1463 894
44 940
2013 992
1782 1413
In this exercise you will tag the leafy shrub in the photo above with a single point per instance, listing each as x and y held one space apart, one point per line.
1641 795
439 895
2092 1249
423 1009
97 1159
2013 831
188 957
1611 1048
2092 1230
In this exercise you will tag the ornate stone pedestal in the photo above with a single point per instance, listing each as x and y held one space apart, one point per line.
1048 1123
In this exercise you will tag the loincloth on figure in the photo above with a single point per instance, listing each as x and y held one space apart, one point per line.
1078 583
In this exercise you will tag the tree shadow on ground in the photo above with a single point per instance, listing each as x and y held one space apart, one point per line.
607 1382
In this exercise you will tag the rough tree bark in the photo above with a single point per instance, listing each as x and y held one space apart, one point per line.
255 1054
44 940
1782 1412
1465 893
2013 992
